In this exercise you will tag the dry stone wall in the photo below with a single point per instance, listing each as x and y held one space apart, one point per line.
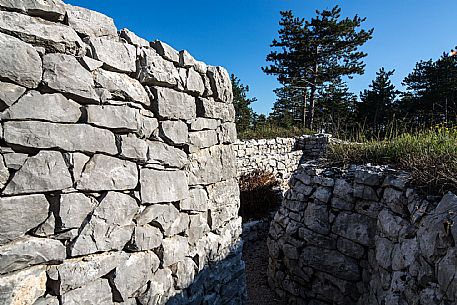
362 236
117 173
279 156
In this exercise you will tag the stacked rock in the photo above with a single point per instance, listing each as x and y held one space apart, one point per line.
117 173
362 236
279 156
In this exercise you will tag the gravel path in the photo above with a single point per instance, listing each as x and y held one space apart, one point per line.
255 255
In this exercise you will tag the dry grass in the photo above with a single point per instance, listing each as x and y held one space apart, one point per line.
271 132
258 195
430 156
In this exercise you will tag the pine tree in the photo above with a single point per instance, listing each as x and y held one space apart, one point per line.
244 115
316 52
375 108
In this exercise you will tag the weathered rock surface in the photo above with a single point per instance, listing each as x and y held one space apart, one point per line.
132 38
174 132
122 86
19 63
96 292
203 139
156 71
166 51
65 74
44 172
53 10
77 137
54 37
9 93
221 84
172 104
21 214
208 108
110 226
47 107
23 287
74 208
29 251
145 238
118 56
90 23
122 118
174 250
166 155
163 186
104 173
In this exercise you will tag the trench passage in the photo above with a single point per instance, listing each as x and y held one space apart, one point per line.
260 197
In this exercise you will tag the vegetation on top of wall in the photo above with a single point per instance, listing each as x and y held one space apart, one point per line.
271 132
430 156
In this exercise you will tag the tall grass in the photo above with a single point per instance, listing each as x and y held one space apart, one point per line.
430 156
271 132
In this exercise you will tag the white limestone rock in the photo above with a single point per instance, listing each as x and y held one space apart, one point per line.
45 172
166 155
52 10
29 251
4 173
221 84
163 186
117 56
186 60
23 287
145 237
69 137
54 37
96 292
65 74
21 214
9 93
103 173
174 132
166 51
134 148
132 38
19 63
90 23
47 107
203 139
122 86
197 201
110 227
74 209
209 108
156 71
171 104
123 118
175 249
203 124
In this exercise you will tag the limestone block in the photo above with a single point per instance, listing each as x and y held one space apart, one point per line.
175 249
65 74
350 248
21 214
9 93
29 251
203 123
203 139
197 201
166 51
164 216
54 37
117 56
110 227
228 133
122 118
166 155
221 84
53 10
446 272
211 165
104 173
134 148
90 63
23 287
132 38
90 23
4 173
74 209
131 277
74 273
44 172
186 60
171 104
174 132
96 292
19 63
355 227
47 107
194 82
47 300
145 238
122 86
224 193
184 272
163 186
208 108
332 262
156 71
316 218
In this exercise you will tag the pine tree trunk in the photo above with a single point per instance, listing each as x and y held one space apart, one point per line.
310 121
304 107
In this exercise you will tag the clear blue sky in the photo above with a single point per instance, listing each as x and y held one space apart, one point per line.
237 33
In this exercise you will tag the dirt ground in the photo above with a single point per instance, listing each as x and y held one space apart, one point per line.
255 255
